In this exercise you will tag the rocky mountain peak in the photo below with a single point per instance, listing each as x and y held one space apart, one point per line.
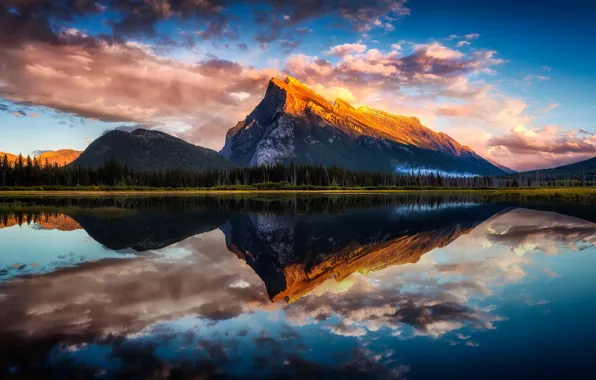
292 96
293 123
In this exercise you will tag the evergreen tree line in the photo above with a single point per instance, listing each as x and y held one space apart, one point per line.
30 172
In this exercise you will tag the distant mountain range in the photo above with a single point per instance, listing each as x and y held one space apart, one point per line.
60 157
150 150
293 123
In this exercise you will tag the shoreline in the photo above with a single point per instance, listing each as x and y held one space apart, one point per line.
549 193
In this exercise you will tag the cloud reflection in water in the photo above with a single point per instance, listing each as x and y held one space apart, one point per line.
204 304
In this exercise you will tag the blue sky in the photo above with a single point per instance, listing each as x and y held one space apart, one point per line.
512 79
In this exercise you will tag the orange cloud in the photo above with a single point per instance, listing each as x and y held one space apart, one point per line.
345 49
128 82
543 148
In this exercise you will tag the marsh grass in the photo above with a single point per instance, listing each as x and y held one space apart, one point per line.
585 194
556 194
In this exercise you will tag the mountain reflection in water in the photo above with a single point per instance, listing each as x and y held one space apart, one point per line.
305 287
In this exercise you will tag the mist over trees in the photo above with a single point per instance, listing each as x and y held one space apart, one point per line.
31 172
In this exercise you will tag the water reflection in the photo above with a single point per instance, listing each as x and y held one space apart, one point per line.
305 287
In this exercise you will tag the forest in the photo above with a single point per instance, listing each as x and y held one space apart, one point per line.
27 172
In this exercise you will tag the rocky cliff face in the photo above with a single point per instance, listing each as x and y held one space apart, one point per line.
294 123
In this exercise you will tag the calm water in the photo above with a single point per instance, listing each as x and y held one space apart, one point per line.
373 287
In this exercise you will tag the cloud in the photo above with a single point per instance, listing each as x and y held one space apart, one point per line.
343 330
346 49
431 65
38 20
278 22
483 104
545 147
550 107
437 51
281 16
362 14
530 78
471 36
462 43
218 28
128 82
547 140
289 44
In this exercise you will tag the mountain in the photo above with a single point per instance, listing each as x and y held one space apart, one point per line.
61 157
11 157
294 123
576 170
150 150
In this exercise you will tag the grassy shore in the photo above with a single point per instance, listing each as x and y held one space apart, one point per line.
576 193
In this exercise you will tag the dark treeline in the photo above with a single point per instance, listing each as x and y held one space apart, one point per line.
30 172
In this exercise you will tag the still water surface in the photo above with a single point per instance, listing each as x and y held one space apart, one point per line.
372 287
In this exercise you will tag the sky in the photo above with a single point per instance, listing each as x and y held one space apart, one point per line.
514 80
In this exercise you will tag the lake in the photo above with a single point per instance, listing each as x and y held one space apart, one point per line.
300 286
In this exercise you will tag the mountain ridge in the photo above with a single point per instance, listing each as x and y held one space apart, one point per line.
576 169
61 157
144 149
293 123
